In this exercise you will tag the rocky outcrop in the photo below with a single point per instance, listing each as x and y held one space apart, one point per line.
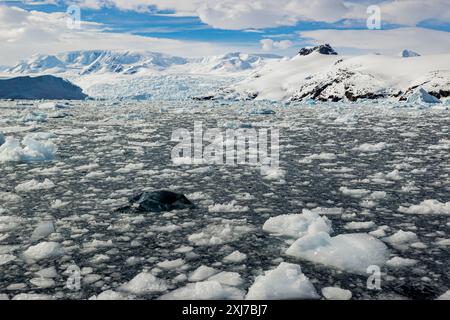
322 49
156 201
42 87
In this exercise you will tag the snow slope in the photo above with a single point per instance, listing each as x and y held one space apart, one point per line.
334 78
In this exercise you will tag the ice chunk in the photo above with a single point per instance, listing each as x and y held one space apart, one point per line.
228 278
228 207
43 230
207 290
398 262
43 250
348 252
32 296
367 147
171 264
445 296
360 225
420 95
34 150
298 225
6 258
235 257
144 283
221 232
109 295
402 238
334 293
285 282
202 273
34 185
428 207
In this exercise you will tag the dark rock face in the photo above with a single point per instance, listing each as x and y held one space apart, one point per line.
322 49
157 201
42 87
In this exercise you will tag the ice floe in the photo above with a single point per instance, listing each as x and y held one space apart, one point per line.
428 207
32 150
206 290
298 225
349 252
144 283
43 250
334 293
287 281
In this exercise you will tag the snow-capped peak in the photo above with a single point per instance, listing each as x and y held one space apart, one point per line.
322 49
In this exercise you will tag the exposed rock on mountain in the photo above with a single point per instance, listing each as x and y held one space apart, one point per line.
322 49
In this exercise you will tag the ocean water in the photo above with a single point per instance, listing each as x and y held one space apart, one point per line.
351 163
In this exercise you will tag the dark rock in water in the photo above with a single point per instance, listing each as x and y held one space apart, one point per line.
322 49
157 201
42 87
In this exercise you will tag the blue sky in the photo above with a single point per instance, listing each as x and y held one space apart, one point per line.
240 25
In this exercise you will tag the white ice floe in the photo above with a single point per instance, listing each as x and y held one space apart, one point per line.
334 293
402 238
298 225
43 230
367 147
43 283
428 207
354 193
398 262
34 185
272 173
320 156
144 283
228 207
109 295
171 264
32 150
202 273
32 296
235 257
360 225
206 290
445 296
287 281
6 258
9 223
348 252
43 250
223 231
227 278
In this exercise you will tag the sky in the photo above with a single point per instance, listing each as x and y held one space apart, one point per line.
210 27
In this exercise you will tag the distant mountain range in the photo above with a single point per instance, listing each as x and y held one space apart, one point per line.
130 62
316 73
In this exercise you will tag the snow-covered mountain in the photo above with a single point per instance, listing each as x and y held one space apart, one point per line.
136 62
326 77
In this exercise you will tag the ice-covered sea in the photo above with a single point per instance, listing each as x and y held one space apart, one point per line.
380 174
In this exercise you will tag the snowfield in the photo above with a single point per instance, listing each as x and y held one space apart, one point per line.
364 185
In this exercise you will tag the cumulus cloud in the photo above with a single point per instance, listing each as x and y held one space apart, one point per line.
24 33
245 14
269 44
424 41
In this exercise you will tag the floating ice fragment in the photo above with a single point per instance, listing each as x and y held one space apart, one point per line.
285 282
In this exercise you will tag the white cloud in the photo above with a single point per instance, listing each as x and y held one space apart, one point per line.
24 33
246 14
269 44
424 41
